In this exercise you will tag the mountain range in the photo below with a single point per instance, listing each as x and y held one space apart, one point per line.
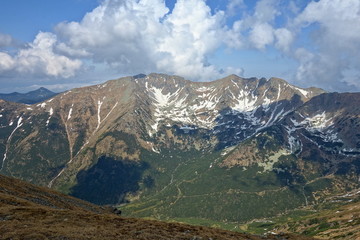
31 97
213 153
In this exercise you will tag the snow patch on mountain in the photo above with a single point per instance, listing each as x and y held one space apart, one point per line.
250 107
42 105
317 122
204 89
162 100
227 150
266 104
155 150
293 141
304 92
19 124
245 103
176 107
51 111
98 113
70 112
320 129
331 136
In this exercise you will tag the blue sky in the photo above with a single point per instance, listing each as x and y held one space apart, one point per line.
72 43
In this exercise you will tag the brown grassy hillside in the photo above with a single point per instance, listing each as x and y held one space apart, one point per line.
31 212
339 220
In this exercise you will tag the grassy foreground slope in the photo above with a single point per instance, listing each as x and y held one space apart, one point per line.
31 212
336 218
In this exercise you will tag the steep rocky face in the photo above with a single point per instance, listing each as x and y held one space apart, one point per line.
332 121
327 123
326 129
230 108
315 147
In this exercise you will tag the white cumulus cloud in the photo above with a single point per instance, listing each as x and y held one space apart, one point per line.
261 35
284 39
142 36
336 34
233 7
192 33
6 40
39 58
122 37
6 62
260 30
145 36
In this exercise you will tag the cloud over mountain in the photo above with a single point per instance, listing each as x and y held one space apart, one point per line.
128 37
40 59
336 36
145 36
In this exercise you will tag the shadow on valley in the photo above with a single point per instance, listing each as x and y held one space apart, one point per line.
108 181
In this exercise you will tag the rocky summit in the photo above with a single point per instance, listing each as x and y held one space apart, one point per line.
221 152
